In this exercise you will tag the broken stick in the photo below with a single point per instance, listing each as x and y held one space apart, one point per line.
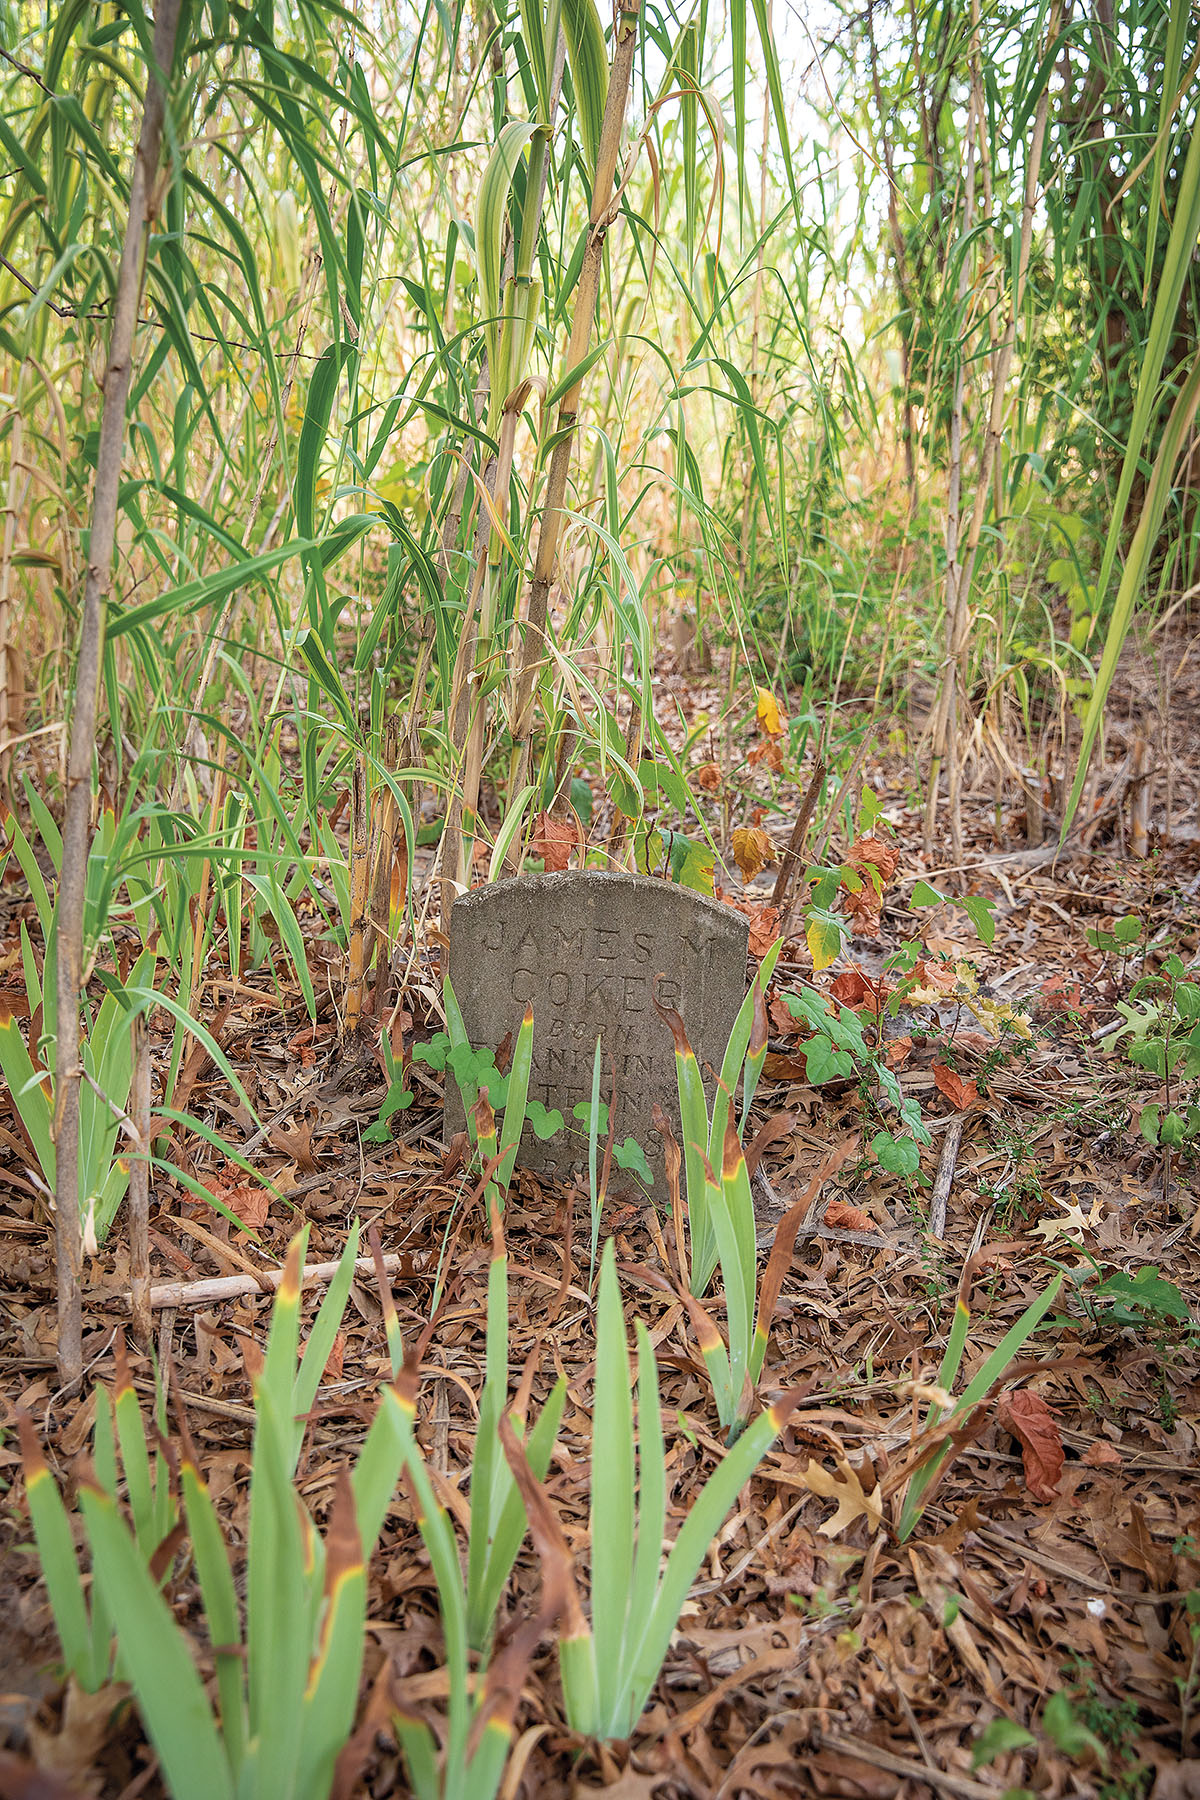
228 1287
940 1198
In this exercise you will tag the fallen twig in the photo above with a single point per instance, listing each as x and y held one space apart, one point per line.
229 1287
918 1772
939 1200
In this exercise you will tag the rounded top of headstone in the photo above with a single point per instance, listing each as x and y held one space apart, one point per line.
576 885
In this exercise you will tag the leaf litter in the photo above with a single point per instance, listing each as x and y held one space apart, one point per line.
1038 1630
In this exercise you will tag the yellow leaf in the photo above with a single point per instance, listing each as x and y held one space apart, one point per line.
752 850
846 1489
824 942
769 715
993 1016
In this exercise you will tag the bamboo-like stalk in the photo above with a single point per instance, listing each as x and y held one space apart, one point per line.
82 722
476 650
587 295
7 545
360 828
959 578
947 715
139 1188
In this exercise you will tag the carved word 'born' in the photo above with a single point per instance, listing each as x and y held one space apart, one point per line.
587 950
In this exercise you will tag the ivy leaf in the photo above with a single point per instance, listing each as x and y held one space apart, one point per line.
980 909
1147 1290
583 1112
631 1156
899 1156
824 1063
434 1052
546 1121
397 1099
824 939
924 895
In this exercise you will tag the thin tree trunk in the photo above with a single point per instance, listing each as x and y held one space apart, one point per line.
82 721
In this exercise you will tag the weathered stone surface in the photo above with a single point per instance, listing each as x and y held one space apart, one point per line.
586 948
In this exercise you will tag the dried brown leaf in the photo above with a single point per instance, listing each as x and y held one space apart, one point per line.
960 1093
1029 1419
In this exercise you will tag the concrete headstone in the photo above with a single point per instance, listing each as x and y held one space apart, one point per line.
586 949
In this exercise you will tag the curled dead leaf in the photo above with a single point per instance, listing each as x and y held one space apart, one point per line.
854 989
554 838
1029 1419
768 752
769 715
872 852
752 850
764 929
707 777
841 1216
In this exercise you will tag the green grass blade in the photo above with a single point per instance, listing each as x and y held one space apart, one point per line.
220 1607
652 1492
704 1520
612 1505
56 1553
514 1109
331 1698
324 1330
156 1661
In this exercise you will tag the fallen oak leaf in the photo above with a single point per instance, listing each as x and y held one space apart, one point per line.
1027 1417
248 1200
1071 1223
852 1503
